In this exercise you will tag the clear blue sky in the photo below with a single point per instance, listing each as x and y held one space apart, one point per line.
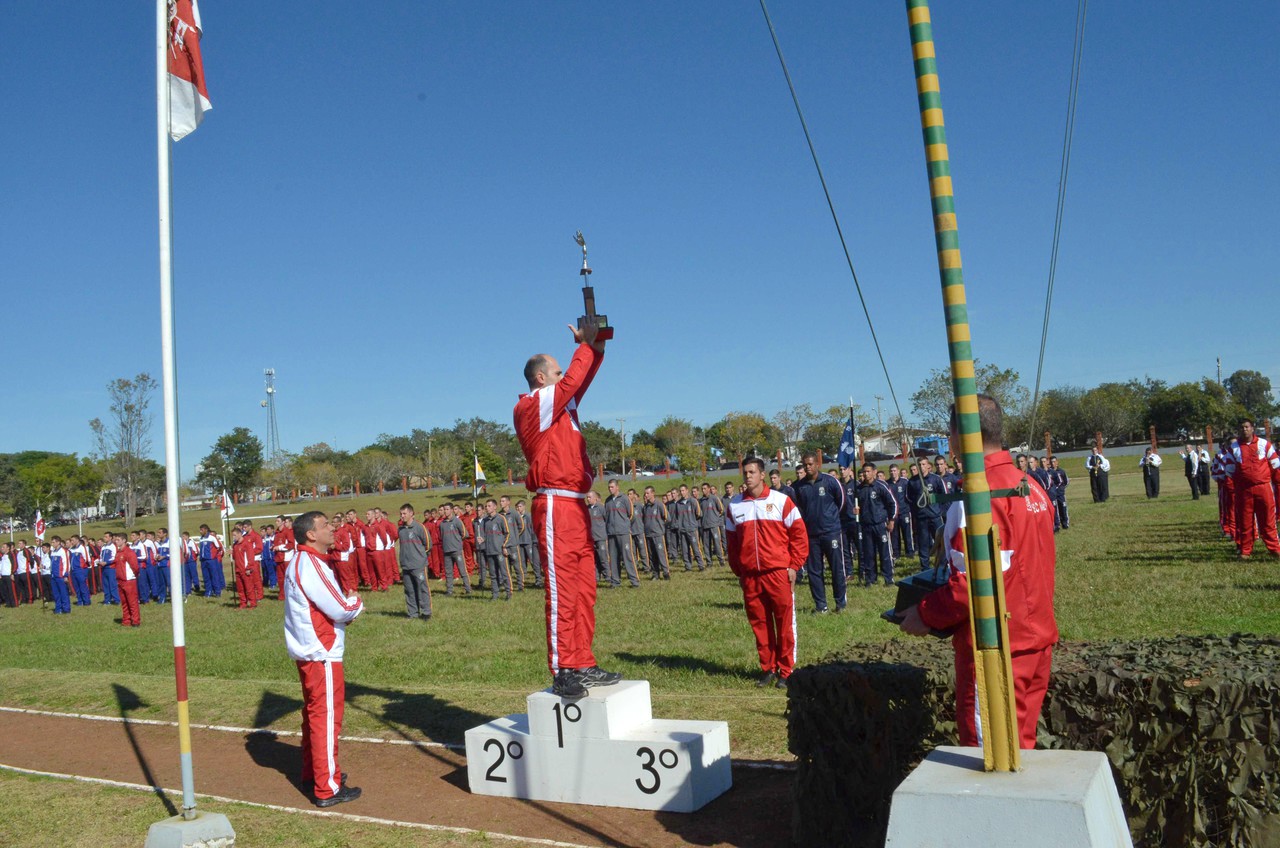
381 205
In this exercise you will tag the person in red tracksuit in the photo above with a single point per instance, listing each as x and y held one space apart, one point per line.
1250 465
1027 555
255 541
435 559
359 552
767 547
344 554
546 423
127 568
468 519
243 566
1226 490
284 545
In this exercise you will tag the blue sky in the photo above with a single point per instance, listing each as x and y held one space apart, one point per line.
381 206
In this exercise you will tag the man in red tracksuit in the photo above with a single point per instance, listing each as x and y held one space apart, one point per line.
254 539
468 519
284 547
1226 489
360 554
243 566
343 553
546 422
768 545
435 560
1025 525
1250 465
127 568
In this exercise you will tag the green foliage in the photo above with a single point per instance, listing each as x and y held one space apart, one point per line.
932 401
604 445
60 481
741 434
1187 722
1193 407
234 463
1251 391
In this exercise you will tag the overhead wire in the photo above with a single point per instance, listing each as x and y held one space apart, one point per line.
1082 9
830 205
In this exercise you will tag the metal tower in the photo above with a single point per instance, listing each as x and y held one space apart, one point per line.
273 432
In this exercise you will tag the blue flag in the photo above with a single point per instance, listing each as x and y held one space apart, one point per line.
848 452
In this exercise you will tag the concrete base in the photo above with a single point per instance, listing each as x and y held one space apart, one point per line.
206 830
1060 799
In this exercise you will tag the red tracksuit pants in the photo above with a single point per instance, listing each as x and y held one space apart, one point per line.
563 526
1255 513
1030 683
386 561
129 613
323 692
1227 510
771 610
246 591
347 574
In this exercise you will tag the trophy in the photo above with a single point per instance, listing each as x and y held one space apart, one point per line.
604 331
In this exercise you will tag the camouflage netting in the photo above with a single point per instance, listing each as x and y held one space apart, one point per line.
1191 726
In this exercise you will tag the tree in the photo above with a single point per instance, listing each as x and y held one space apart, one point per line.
604 444
234 463
740 434
61 481
1251 391
282 472
375 467
793 422
932 401
1192 407
644 456
124 439
673 434
827 429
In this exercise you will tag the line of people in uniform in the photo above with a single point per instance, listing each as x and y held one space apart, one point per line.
1247 472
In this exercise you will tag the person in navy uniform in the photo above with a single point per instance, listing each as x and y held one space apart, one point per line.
900 536
877 511
849 522
821 500
1058 494
926 515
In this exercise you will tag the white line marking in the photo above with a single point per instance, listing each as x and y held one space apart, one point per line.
141 787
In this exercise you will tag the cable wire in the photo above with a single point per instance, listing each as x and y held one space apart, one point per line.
830 205
1082 9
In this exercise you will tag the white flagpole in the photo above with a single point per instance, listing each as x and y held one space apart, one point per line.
170 381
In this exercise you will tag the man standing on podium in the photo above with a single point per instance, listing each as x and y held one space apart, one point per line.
546 422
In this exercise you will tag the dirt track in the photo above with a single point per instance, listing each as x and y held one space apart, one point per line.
400 782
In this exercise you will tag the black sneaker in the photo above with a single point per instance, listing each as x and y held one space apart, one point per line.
344 794
597 676
568 684
766 680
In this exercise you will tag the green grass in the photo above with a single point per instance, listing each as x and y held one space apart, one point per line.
1127 568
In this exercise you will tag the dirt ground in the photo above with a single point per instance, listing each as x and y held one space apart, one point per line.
400 782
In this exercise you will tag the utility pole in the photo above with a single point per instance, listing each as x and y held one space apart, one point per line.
622 422
428 457
879 417
1219 370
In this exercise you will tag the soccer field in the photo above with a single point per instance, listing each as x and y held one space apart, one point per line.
1127 569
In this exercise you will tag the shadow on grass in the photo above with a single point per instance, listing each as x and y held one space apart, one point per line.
129 701
688 663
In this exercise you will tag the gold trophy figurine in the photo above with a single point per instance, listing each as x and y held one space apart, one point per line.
604 332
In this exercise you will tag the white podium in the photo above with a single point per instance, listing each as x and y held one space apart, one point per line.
606 750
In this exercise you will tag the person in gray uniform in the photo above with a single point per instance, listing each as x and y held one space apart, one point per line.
617 509
528 546
724 506
599 535
654 517
482 565
414 546
669 525
687 520
638 548
452 532
710 523
511 544
494 560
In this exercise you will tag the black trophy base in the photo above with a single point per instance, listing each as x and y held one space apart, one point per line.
603 332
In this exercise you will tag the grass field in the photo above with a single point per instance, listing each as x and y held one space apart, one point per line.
1128 568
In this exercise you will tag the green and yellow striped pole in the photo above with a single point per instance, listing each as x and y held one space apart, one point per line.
992 662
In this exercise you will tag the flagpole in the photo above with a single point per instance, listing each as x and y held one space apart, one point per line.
170 384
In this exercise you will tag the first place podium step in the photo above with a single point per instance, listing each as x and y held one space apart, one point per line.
606 749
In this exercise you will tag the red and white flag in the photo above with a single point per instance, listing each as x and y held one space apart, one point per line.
39 526
227 507
188 97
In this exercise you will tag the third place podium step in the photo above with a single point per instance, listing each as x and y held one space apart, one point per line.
605 749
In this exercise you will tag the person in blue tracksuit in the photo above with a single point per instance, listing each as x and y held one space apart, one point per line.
1058 495
160 585
902 535
107 556
820 498
211 562
268 533
59 573
80 564
190 565
878 514
926 516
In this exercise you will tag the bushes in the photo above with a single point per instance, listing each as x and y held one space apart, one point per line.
1191 726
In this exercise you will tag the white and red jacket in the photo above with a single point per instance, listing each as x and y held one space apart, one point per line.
284 544
546 422
765 533
316 613
1251 463
344 543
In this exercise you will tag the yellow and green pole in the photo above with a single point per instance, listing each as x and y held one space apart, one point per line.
992 661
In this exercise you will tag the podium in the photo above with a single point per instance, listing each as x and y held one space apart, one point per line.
606 750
